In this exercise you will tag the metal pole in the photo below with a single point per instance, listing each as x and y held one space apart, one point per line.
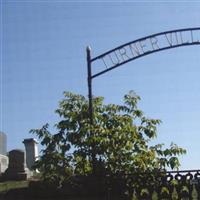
90 109
89 84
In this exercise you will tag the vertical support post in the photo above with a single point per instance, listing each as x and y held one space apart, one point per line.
90 109
89 84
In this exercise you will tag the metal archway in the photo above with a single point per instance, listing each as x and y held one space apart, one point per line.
137 49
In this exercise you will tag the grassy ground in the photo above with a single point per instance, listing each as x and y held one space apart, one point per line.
5 186
8 185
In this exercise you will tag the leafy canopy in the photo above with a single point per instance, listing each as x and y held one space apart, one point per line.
119 138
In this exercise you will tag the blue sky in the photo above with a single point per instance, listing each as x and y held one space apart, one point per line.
43 54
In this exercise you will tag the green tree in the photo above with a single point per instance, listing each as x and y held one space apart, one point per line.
120 138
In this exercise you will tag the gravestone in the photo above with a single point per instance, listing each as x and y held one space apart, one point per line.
3 144
17 166
3 163
31 146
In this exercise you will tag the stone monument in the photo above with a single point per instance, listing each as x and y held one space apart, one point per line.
3 152
3 144
31 146
17 167
3 163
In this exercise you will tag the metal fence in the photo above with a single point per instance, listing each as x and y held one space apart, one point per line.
172 185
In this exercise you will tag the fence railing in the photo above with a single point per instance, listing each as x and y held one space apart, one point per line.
171 185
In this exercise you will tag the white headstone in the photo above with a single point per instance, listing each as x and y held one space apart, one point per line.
3 163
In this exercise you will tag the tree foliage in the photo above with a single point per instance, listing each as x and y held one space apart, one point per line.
120 138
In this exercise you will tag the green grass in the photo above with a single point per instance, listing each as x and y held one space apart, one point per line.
5 186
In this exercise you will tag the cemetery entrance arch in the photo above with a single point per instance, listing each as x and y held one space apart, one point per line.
141 47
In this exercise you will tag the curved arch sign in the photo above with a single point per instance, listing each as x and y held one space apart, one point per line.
136 49
145 46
